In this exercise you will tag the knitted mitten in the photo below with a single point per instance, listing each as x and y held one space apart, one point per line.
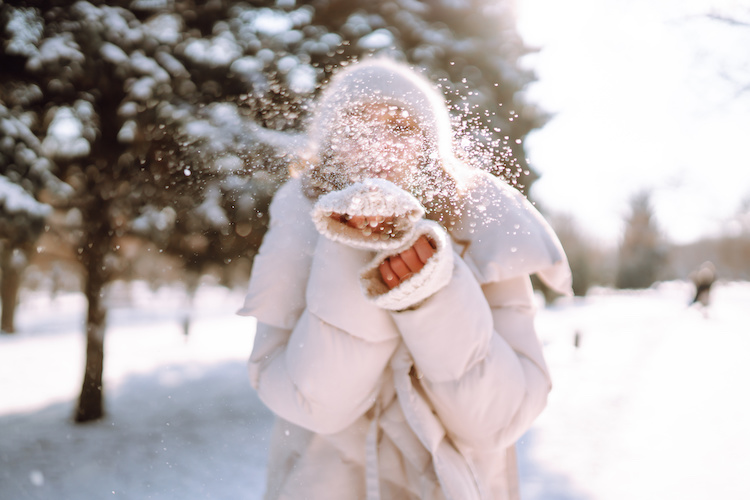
371 197
379 197
435 274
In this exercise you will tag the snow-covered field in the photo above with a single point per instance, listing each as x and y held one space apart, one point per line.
653 404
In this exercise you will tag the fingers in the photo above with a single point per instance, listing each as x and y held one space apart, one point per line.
389 277
366 223
401 267
394 270
375 223
411 259
424 249
357 222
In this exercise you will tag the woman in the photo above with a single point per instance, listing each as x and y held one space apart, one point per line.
395 338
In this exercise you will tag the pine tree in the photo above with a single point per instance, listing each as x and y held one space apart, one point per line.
25 178
642 253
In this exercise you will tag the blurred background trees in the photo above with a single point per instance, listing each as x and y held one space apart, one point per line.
150 131
144 139
643 251
25 174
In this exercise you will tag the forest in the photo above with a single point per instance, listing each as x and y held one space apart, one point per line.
144 139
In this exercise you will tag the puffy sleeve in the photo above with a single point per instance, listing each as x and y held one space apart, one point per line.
474 347
317 376
320 348
481 366
276 294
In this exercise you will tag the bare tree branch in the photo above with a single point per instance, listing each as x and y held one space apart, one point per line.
727 19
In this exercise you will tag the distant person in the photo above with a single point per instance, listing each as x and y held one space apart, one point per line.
703 279
395 333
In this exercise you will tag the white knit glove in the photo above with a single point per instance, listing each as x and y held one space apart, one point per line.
435 274
381 198
369 198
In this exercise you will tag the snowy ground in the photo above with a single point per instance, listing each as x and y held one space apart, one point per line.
653 404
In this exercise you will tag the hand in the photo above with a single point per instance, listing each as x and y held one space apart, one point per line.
398 268
368 224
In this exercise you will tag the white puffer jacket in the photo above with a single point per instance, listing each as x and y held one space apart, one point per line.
411 396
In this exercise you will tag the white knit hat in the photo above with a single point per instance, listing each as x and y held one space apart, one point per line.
384 81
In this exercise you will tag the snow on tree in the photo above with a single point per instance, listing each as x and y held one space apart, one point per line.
132 112
24 174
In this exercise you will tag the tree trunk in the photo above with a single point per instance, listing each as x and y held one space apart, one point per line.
91 401
11 281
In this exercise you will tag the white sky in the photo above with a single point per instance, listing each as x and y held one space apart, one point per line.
640 103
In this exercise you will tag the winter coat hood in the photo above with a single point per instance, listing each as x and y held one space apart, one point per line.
382 81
